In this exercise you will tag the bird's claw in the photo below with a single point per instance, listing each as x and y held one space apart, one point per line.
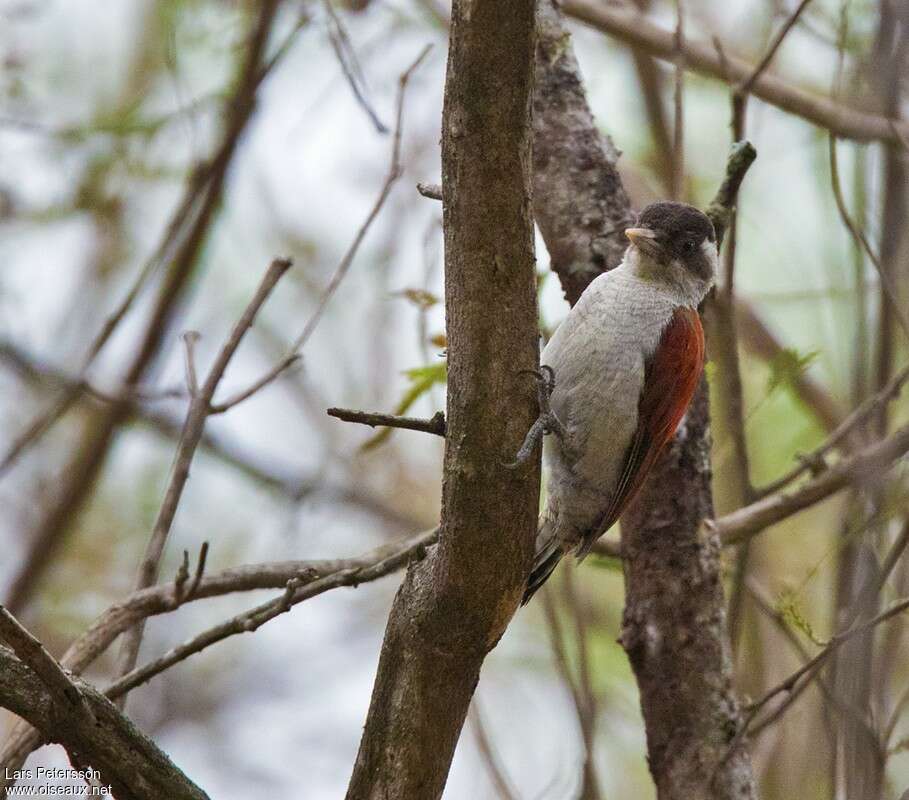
547 422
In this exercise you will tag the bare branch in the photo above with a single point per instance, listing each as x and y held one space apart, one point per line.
865 465
489 755
157 600
249 621
678 129
810 667
741 157
748 84
394 172
350 66
453 607
192 435
434 425
34 655
89 455
890 290
431 191
635 29
289 482
814 461
190 338
129 762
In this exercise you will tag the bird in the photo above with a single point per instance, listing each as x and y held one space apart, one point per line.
617 377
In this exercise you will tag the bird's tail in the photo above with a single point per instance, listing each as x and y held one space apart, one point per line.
549 553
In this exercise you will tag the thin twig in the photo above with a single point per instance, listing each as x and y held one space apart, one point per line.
637 30
789 683
489 755
288 482
252 620
394 172
859 236
590 789
560 652
190 338
350 66
815 459
88 456
766 606
799 680
192 435
748 84
157 600
861 467
435 424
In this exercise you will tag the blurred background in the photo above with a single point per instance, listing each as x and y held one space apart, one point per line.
106 109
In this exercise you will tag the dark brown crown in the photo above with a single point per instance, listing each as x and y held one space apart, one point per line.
677 221
680 230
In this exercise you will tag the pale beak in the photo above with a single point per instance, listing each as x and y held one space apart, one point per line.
644 239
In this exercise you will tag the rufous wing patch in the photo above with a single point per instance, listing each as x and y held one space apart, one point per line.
670 379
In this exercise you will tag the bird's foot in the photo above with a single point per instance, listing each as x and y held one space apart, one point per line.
547 422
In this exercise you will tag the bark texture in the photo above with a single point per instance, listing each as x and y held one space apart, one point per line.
453 606
129 762
582 209
674 626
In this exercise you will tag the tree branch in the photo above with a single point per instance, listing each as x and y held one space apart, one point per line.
328 574
864 466
199 410
640 33
580 205
681 662
249 621
394 172
434 425
287 481
185 247
129 762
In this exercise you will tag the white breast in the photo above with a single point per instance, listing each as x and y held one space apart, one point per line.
598 355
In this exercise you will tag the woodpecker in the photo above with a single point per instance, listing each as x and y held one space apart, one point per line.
620 372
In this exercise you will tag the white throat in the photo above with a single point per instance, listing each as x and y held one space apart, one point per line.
687 288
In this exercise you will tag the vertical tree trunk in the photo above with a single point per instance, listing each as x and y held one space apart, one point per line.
453 606
674 627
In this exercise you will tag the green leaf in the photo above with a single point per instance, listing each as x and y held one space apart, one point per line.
789 608
787 366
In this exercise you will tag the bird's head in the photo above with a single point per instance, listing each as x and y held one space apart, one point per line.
675 243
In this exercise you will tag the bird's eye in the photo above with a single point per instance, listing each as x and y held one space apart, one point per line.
688 246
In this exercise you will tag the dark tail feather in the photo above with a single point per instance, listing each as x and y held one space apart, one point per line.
549 553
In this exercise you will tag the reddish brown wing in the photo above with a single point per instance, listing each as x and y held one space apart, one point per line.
670 379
